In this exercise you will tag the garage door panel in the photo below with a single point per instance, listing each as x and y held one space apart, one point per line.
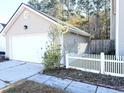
28 48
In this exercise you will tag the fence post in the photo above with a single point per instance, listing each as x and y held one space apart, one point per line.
102 62
67 61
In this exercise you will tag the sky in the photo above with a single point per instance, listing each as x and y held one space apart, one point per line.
8 7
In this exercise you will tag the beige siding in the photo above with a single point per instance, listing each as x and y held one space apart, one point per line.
75 43
8 46
38 25
2 43
34 22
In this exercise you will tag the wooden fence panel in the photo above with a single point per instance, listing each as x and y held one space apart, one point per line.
98 46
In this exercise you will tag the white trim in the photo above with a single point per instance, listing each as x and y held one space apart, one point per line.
40 14
83 69
23 7
12 20
106 64
10 48
78 31
20 10
117 27
111 19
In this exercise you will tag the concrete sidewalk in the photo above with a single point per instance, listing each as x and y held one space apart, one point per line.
69 85
13 71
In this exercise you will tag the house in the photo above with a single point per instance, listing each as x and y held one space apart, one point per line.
26 35
117 25
2 39
2 25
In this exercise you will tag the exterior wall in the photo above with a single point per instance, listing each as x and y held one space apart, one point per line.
2 40
120 27
2 43
113 20
36 24
1 27
75 43
8 46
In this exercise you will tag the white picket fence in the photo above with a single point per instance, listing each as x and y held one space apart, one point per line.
104 64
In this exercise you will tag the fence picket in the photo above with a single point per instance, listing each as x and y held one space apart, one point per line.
105 64
118 68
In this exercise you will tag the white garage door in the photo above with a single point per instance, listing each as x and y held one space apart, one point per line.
28 48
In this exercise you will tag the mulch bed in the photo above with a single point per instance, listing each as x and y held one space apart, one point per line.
87 77
31 87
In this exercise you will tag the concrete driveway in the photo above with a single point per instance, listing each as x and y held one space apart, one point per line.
12 71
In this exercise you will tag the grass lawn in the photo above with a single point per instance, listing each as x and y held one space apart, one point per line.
31 87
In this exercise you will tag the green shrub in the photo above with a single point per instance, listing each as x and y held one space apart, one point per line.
52 56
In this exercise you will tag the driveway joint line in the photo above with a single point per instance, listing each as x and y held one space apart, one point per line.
47 79
68 85
13 66
96 89
31 76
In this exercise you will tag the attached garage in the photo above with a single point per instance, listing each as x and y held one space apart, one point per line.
28 48
27 33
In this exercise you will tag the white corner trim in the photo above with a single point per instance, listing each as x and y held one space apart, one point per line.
117 28
12 20
19 11
111 19
40 14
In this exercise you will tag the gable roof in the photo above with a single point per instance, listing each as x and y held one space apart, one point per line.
23 6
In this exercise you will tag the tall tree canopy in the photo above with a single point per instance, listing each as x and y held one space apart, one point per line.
89 15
